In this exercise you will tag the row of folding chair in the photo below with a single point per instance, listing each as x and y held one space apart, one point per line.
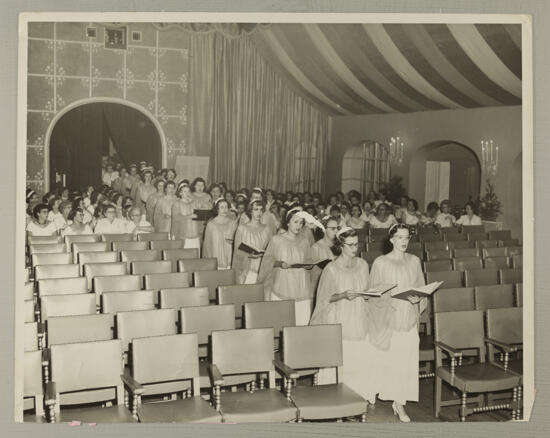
477 298
246 353
474 262
127 237
435 251
475 277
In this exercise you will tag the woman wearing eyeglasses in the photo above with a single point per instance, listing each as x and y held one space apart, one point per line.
338 302
323 249
256 235
393 323
281 281
383 217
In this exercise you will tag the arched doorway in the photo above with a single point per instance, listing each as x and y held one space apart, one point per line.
445 170
83 134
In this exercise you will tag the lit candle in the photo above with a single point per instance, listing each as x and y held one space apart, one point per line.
496 160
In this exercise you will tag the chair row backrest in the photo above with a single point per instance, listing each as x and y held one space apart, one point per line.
474 277
470 298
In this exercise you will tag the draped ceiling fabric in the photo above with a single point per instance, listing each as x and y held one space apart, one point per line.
348 69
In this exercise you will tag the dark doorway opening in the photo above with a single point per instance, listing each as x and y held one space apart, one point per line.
86 134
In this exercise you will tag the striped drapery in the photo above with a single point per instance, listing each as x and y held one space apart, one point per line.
386 68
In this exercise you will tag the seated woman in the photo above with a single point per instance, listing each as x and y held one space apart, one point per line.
383 218
80 202
410 215
64 221
470 218
40 225
445 219
356 221
256 235
393 323
368 209
183 226
117 199
77 225
430 217
110 224
219 234
136 222
163 208
345 211
54 214
338 302
335 213
323 250
281 281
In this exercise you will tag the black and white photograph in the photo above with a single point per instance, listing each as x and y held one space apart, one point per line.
283 218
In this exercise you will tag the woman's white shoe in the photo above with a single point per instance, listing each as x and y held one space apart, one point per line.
403 417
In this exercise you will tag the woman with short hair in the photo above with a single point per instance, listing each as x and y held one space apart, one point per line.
281 281
184 227
356 220
77 226
383 218
470 218
40 225
219 234
162 217
393 323
153 199
339 301
255 234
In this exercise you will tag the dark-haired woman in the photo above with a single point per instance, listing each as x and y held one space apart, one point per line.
281 282
152 201
40 225
219 234
203 201
256 235
338 302
470 218
323 249
163 208
355 221
183 225
410 215
393 323
383 218
77 226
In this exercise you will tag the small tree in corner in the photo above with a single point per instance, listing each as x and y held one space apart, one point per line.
489 205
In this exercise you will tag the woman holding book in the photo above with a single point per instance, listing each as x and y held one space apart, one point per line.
282 281
339 302
393 323
184 227
255 236
219 234
203 201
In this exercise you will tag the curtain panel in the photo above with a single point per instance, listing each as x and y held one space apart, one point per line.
249 121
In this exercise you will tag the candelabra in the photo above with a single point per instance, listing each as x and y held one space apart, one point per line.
489 157
396 152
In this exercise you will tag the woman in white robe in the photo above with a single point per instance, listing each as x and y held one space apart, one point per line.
256 235
219 235
322 250
393 323
281 282
163 209
338 302
184 227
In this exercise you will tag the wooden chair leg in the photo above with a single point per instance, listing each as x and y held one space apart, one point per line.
519 412
514 403
437 397
364 418
463 406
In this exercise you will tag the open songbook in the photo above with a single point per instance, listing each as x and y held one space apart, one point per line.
321 264
379 290
251 250
422 291
203 215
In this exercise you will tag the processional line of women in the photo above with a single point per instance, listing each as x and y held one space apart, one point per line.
380 335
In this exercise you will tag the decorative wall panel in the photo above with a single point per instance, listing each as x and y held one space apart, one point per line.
66 66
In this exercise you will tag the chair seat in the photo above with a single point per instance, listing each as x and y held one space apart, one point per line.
479 377
328 401
113 414
426 348
189 410
264 405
